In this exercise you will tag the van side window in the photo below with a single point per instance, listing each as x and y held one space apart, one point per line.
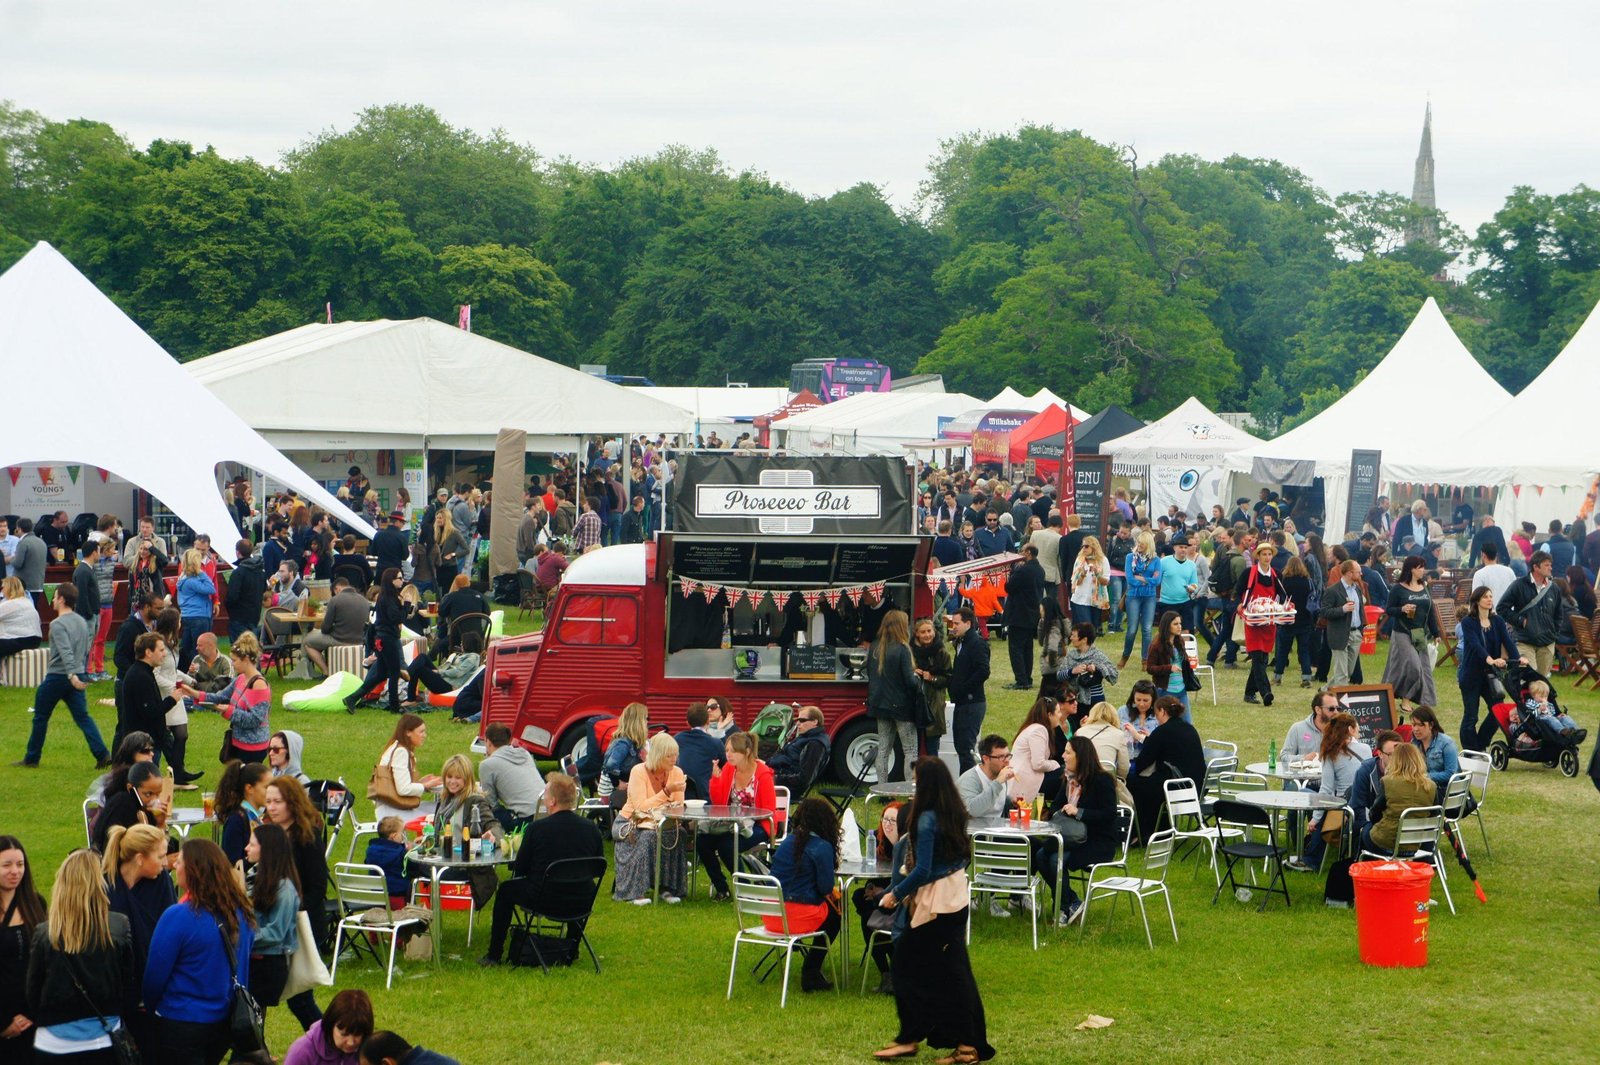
591 620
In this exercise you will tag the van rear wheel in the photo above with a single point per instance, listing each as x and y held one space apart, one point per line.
574 742
856 748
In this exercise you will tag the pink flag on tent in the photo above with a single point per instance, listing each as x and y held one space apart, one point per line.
464 319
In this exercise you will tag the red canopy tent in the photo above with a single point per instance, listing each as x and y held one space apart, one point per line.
805 399
1048 422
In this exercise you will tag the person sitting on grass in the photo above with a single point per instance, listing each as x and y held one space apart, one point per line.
389 852
387 1048
563 834
805 867
336 1038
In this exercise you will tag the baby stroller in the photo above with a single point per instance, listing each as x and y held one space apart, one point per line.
1532 738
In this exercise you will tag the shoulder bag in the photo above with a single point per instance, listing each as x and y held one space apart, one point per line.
123 1048
306 969
380 787
246 1019
1073 832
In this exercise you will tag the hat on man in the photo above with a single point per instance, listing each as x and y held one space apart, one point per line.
397 518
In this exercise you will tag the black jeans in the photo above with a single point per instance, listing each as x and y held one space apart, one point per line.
386 666
305 1009
422 670
185 1043
716 849
268 975
1258 683
177 746
964 728
1019 642
1220 636
1475 737
817 953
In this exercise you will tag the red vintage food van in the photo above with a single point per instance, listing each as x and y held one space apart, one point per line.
673 621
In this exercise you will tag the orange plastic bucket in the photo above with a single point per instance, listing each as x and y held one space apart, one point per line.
1392 912
1369 631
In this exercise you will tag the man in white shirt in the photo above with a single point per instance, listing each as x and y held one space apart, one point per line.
1493 574
983 787
8 546
1048 541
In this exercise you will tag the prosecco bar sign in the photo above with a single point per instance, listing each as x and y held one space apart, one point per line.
793 495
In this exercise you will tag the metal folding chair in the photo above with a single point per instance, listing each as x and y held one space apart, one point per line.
363 889
1481 766
1248 818
1157 858
755 898
566 898
1002 864
1417 838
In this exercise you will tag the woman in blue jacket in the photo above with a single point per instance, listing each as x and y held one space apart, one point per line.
200 947
195 594
1143 569
1486 647
805 866
935 993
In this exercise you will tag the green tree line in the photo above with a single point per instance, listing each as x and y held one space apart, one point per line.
1036 257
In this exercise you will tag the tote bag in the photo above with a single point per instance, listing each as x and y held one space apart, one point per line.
306 969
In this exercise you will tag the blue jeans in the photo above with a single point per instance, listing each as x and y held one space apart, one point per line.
1085 614
55 689
1115 590
235 628
614 524
1221 638
190 632
1141 616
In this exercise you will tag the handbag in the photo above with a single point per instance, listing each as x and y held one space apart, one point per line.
246 1019
1191 682
226 753
921 712
1073 832
1332 827
306 969
380 788
123 1048
1237 635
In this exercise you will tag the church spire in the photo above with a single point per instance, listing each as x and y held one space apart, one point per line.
1422 194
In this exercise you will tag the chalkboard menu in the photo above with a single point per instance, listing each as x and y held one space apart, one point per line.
1092 493
1372 705
818 662
865 563
1365 484
787 564
721 562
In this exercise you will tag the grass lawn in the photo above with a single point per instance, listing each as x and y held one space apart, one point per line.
1514 980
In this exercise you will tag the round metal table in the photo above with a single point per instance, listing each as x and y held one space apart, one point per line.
436 865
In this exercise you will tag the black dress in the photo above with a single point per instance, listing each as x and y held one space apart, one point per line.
14 941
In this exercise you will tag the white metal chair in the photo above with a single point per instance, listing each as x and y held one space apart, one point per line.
780 823
1481 766
1191 648
877 934
1125 818
1002 864
363 888
1157 859
358 829
91 810
1416 836
1183 801
757 897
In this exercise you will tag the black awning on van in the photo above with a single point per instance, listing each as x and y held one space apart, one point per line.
790 563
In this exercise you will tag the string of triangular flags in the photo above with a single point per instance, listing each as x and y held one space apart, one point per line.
995 578
810 597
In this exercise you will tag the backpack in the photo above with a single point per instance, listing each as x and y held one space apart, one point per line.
1222 576
1340 889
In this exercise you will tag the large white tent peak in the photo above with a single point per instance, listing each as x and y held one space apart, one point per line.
871 423
450 387
55 325
1042 400
1191 434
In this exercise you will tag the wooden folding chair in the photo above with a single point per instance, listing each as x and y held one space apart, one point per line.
1444 612
1585 654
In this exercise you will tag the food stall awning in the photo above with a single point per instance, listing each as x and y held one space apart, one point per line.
790 562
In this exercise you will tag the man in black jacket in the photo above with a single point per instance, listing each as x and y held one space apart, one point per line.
967 675
1533 607
390 546
798 765
1024 600
561 835
133 626
246 585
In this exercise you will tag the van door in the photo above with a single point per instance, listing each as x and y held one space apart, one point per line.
591 658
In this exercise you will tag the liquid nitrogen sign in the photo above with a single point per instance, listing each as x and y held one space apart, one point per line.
787 501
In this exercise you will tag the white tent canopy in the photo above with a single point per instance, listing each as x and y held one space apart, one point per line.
718 407
1010 399
871 423
441 386
53 321
1183 456
1428 367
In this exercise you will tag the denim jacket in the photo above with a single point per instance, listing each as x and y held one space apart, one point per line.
925 870
1144 576
1441 757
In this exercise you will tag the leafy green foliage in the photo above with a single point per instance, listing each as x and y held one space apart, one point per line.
1354 321
515 298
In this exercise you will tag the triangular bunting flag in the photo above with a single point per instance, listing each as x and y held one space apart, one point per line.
933 584
689 587
854 592
15 472
105 475
734 595
710 590
831 596
811 597
876 589
72 471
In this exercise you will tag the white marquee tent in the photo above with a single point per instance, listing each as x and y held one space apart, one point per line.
1392 410
1010 399
871 423
56 326
419 383
719 409
1184 453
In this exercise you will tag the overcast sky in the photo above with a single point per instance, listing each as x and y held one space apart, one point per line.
822 95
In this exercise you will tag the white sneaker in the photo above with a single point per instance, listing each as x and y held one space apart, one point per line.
997 908
671 899
1027 903
647 900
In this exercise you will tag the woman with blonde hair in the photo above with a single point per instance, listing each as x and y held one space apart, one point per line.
450 549
893 692
1091 576
140 888
1143 569
627 748
246 701
19 620
196 594
638 830
1406 784
81 969
1103 728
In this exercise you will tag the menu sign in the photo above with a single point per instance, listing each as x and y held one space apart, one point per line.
1091 478
718 561
1372 705
1365 484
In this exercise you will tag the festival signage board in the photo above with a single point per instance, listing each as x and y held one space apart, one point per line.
1372 705
1091 494
794 495
1366 484
39 491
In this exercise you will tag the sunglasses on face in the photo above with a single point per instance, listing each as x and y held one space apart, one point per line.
278 750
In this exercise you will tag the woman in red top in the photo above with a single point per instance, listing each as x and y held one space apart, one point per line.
747 780
1260 634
